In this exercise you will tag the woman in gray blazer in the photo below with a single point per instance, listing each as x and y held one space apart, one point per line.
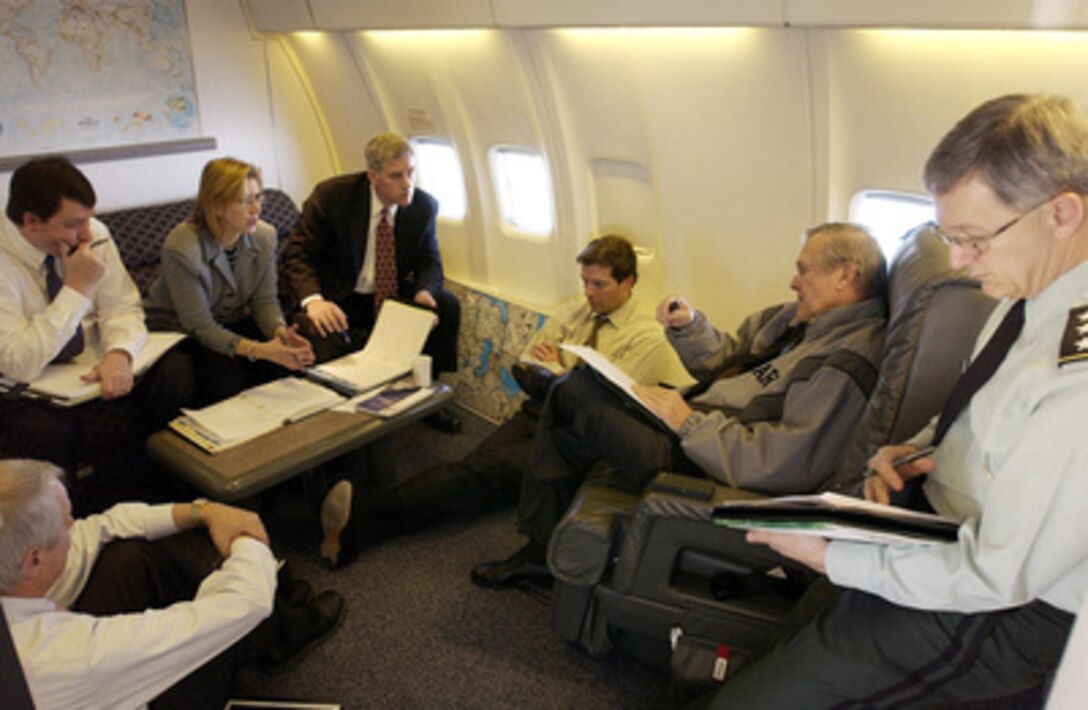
218 284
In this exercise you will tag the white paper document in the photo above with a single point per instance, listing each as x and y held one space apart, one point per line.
396 340
253 412
62 384
617 377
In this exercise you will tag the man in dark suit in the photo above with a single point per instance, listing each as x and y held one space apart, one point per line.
339 267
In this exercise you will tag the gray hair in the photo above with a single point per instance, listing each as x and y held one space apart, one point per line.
848 242
29 515
383 147
1027 148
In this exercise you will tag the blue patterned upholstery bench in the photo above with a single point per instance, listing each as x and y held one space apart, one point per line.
140 231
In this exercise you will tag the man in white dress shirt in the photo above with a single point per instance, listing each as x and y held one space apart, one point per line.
980 621
63 289
120 625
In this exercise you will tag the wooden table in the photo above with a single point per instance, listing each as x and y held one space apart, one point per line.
249 468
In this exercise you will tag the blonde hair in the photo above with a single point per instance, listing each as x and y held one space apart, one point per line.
222 181
383 147
29 515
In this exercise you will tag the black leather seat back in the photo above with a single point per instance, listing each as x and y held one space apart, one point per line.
934 314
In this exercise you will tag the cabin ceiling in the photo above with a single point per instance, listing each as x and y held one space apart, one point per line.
346 15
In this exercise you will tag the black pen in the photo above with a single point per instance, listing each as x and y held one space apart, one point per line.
905 459
92 245
919 454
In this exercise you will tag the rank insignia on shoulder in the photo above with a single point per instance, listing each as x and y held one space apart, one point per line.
1075 338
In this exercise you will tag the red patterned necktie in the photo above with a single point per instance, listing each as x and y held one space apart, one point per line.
53 285
385 262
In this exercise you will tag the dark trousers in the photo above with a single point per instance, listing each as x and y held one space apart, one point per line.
486 480
441 344
848 649
585 422
218 377
130 576
107 435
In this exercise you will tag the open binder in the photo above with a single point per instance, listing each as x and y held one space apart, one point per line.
396 340
837 516
62 384
253 412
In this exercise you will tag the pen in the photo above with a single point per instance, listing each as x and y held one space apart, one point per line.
905 459
919 454
92 245
345 336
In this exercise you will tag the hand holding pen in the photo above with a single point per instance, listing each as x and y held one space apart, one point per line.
674 311
892 467
82 267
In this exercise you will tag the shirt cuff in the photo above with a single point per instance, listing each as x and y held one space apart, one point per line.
693 420
311 297
848 564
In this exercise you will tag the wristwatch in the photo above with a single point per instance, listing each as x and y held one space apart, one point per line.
196 510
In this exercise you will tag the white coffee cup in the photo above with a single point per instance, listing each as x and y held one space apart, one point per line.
421 370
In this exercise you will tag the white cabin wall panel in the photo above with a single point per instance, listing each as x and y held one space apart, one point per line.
348 108
896 93
304 152
575 13
937 13
598 100
470 88
727 149
400 14
280 15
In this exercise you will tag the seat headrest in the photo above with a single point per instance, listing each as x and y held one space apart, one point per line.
934 314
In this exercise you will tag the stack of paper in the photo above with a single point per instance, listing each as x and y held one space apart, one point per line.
397 339
254 412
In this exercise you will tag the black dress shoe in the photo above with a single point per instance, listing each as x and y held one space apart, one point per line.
527 564
445 420
302 628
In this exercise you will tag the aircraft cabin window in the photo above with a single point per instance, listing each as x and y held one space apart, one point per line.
889 215
439 173
524 190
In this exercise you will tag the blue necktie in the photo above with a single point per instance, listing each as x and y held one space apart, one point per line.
53 285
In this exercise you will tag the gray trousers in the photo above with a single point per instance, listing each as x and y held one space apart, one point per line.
849 649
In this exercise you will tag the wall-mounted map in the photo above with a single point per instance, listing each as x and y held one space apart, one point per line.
81 74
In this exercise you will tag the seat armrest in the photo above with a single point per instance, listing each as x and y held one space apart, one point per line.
674 531
581 546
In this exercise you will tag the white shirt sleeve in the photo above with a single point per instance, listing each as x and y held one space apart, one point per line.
124 661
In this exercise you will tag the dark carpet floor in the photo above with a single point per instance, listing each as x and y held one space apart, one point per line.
419 634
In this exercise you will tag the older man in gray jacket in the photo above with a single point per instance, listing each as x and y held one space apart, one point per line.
774 406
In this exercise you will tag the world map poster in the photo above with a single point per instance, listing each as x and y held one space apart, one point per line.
81 74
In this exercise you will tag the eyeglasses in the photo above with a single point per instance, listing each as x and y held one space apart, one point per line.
981 244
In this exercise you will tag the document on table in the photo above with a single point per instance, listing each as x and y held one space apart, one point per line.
62 384
253 412
394 398
396 340
839 517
